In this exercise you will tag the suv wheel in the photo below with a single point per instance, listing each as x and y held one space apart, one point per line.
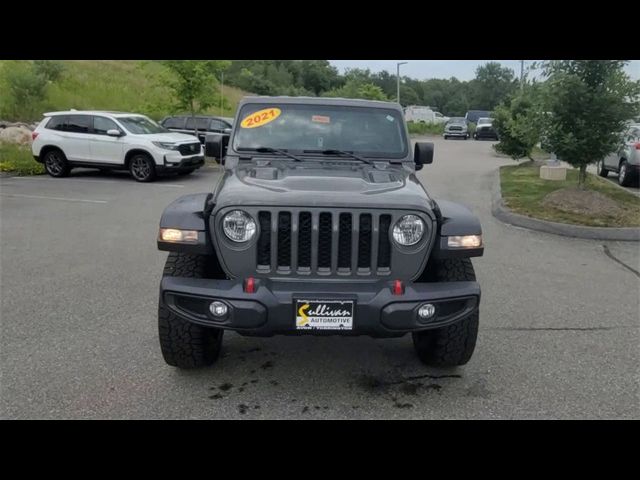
55 163
624 178
603 172
452 345
185 344
142 168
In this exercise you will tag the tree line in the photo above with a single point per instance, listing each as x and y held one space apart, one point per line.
452 97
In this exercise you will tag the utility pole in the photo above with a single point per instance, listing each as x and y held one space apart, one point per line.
398 80
221 93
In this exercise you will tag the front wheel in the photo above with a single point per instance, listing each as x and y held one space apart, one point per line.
446 137
185 344
624 178
142 168
452 345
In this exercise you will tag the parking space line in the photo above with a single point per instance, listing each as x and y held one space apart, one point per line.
83 200
169 185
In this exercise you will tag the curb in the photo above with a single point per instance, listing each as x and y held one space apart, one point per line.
502 213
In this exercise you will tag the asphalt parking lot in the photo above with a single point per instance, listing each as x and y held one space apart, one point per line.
79 279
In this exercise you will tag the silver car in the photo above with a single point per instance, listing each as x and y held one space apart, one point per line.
626 161
456 127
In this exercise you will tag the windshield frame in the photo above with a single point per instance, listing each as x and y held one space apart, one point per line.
404 155
130 117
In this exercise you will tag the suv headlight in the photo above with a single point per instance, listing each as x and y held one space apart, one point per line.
239 226
408 230
166 145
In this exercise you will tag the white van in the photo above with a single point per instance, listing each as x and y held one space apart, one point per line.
418 113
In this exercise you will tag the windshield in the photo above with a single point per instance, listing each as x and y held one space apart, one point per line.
305 129
484 120
457 120
141 125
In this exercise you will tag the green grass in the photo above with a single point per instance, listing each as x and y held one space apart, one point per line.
18 160
123 85
523 191
425 128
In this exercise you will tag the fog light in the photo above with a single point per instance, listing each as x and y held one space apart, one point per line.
218 309
426 311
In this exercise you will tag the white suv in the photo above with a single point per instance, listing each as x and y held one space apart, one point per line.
113 140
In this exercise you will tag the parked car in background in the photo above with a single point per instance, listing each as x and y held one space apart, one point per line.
421 114
113 140
456 127
626 161
203 124
472 116
484 129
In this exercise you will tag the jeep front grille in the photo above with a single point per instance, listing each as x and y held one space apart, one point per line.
324 243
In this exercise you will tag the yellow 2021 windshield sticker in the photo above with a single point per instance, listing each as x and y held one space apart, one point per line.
260 118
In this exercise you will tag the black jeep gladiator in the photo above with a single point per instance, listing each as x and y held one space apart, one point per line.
319 226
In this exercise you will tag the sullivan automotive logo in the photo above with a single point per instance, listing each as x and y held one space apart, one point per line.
324 314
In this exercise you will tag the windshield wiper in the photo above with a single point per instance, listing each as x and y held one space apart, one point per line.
271 150
343 153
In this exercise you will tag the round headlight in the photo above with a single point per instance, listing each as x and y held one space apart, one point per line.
239 226
408 230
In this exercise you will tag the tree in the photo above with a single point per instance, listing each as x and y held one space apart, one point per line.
50 70
492 84
587 104
518 126
25 90
194 82
355 88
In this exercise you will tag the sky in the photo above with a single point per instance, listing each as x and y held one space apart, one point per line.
461 69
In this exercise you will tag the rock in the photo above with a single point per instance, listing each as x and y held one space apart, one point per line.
17 135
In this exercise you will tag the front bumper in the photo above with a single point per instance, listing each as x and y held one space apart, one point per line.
270 310
456 133
176 162
486 134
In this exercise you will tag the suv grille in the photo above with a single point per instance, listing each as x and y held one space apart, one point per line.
324 243
190 148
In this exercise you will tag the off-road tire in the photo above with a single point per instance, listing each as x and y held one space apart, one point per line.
452 345
185 344
55 163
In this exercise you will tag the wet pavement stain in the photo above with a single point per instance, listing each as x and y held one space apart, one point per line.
266 365
396 386
225 387
305 409
242 408
216 396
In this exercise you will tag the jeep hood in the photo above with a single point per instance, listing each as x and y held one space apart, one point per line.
321 184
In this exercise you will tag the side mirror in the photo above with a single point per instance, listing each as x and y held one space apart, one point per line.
114 133
227 131
215 146
423 154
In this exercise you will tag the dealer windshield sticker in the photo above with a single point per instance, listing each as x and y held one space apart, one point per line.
390 118
321 119
260 118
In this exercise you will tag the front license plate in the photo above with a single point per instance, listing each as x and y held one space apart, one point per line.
324 314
